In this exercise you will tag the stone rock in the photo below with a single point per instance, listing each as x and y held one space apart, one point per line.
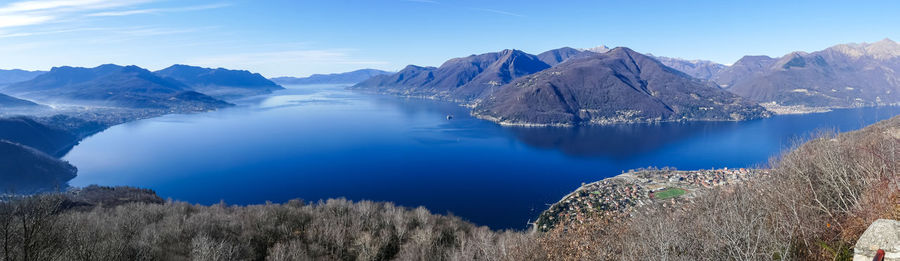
882 234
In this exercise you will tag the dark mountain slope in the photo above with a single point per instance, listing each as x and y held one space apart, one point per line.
849 75
463 79
220 82
557 56
26 170
26 131
334 78
620 86
113 85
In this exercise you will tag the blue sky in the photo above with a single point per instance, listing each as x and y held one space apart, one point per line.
298 38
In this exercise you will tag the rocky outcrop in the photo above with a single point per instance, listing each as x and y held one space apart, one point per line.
882 234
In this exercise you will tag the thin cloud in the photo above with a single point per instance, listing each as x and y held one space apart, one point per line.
326 56
35 33
498 12
22 20
160 10
35 7
39 12
125 31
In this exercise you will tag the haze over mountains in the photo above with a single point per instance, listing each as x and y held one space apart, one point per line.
13 76
113 85
89 100
700 69
220 83
352 77
9 102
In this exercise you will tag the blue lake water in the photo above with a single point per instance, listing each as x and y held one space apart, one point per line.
317 142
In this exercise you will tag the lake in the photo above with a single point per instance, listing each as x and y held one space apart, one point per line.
322 141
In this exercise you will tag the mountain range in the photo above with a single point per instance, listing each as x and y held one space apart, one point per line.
113 85
13 76
460 79
568 86
334 78
700 69
220 82
557 56
846 75
619 86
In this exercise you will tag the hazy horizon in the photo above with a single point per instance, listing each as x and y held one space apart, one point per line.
288 38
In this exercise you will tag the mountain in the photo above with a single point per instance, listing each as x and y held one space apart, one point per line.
7 101
461 79
26 170
26 131
598 49
745 69
557 56
847 75
620 86
220 82
113 85
14 76
334 78
700 69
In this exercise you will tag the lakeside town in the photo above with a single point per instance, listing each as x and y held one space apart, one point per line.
623 193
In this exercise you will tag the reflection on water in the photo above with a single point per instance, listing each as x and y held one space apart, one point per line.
617 141
316 142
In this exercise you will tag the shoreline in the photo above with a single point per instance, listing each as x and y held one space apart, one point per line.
506 123
623 193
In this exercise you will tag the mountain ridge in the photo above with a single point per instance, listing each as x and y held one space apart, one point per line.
620 86
17 75
845 75
351 77
460 79
113 85
220 82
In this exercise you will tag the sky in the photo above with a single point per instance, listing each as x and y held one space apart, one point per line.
300 37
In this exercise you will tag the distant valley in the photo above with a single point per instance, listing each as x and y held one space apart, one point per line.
44 114
334 78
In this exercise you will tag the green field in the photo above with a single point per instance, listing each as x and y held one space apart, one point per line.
669 193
